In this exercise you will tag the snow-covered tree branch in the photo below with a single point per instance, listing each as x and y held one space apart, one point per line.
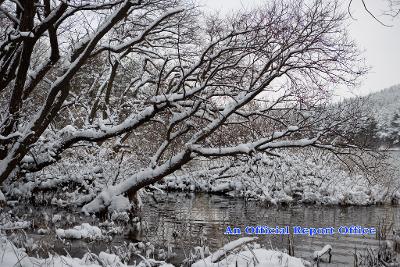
79 72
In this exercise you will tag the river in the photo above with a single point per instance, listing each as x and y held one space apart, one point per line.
183 221
186 220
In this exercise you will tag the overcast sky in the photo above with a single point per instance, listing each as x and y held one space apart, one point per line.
381 44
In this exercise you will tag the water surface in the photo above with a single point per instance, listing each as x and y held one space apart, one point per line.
183 221
188 220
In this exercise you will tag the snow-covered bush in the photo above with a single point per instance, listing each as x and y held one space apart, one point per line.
77 178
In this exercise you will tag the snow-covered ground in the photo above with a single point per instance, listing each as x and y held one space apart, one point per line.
238 253
257 257
12 256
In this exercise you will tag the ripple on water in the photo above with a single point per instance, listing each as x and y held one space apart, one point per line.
185 220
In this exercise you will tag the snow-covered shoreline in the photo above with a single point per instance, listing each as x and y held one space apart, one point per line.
296 179
307 178
236 253
13 256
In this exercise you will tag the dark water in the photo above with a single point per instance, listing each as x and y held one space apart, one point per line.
185 221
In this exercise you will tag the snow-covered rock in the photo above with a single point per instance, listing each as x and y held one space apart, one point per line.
84 231
319 253
15 225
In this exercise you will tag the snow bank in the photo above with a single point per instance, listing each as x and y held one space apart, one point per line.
238 253
252 258
249 257
12 256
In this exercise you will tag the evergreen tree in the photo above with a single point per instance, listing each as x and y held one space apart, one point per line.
394 129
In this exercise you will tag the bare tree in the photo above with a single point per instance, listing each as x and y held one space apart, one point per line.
162 69
392 9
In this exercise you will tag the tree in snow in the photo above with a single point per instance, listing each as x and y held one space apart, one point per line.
394 129
122 73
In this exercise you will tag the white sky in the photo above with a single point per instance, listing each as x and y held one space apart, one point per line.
381 44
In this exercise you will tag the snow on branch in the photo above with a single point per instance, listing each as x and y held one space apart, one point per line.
171 85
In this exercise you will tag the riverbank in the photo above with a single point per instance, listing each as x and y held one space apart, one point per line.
237 253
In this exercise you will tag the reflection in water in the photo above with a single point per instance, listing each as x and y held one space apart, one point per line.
185 221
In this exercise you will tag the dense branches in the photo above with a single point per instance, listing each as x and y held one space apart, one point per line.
158 69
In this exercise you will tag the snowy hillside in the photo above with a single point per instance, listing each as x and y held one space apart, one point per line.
382 125
384 104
